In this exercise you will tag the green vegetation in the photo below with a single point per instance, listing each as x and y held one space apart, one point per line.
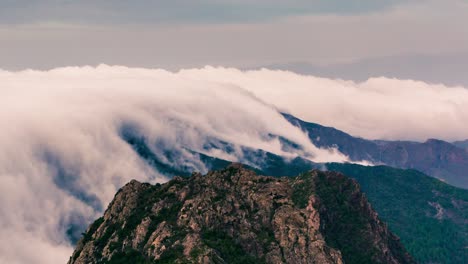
402 198
128 256
94 226
343 223
228 248
171 255
196 252
303 187
88 236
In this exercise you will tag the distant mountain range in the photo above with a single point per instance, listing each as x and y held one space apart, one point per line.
440 159
443 160
461 144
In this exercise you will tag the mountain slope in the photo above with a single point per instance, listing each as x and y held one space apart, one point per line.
404 198
235 216
461 144
436 158
429 216
257 159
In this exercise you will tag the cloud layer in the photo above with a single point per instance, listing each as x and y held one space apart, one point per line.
379 108
62 157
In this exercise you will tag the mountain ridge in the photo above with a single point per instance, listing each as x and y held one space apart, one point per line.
210 219
437 158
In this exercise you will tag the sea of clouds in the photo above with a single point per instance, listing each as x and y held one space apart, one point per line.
62 156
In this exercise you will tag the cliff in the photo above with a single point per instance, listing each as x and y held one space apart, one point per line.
236 216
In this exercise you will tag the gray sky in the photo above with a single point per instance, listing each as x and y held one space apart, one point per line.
419 39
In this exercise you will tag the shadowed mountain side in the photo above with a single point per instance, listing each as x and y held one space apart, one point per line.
429 216
434 157
461 144
256 159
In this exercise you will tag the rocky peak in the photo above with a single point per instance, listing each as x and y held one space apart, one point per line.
236 216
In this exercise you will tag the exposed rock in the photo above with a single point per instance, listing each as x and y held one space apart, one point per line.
235 216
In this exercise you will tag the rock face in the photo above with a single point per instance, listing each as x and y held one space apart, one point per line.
235 216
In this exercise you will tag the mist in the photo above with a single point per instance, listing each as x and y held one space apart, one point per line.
378 108
63 158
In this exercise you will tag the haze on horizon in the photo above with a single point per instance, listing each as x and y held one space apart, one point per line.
418 39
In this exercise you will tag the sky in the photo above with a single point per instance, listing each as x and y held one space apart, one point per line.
416 39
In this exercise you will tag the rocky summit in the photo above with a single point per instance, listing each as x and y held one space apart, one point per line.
235 216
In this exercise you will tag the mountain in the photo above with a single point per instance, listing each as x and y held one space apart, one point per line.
257 159
235 216
436 158
426 213
461 144
430 217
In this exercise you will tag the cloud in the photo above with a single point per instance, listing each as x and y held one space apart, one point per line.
62 156
378 108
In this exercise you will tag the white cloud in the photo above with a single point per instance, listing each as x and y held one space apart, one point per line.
62 158
379 108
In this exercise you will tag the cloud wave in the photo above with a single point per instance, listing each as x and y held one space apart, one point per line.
62 155
378 108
